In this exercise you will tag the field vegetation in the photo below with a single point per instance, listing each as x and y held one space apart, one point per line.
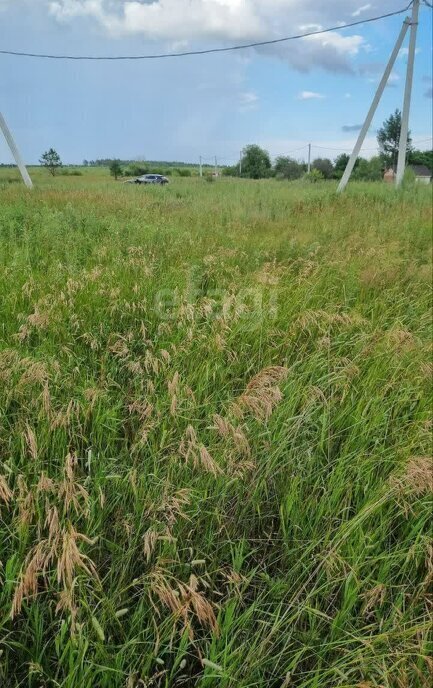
215 433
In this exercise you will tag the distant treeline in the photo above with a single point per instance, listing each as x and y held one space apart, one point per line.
106 162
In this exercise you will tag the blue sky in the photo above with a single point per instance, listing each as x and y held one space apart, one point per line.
281 97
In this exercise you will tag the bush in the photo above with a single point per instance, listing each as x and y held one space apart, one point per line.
182 171
70 173
313 176
135 170
409 178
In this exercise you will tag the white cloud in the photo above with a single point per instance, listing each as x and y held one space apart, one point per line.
220 22
248 100
309 95
360 10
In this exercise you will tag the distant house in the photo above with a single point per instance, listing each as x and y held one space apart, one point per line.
389 176
422 173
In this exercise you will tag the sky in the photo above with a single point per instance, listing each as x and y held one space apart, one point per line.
281 97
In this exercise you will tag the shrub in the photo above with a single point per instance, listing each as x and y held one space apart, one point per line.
313 176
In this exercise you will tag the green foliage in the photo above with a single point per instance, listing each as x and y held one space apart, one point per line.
230 171
115 169
65 172
51 160
136 169
314 176
214 435
288 168
409 178
340 164
388 138
369 170
417 157
324 166
256 163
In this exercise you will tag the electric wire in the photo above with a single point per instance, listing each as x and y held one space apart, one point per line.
206 51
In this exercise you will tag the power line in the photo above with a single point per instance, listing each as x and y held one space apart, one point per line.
313 145
208 50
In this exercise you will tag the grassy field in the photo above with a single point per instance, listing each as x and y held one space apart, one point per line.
214 435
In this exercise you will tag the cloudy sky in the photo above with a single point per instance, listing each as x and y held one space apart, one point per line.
315 89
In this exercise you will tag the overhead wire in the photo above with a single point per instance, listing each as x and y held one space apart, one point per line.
207 51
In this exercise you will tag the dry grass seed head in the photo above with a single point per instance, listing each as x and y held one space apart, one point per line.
417 478
71 493
64 417
192 450
149 542
35 372
35 564
262 393
26 504
373 599
5 491
70 557
322 320
401 340
184 601
30 438
45 484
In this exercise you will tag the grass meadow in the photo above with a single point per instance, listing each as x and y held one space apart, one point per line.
215 429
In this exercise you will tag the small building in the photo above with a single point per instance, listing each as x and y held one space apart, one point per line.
422 173
389 176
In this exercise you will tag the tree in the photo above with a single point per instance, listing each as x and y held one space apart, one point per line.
230 171
256 162
340 164
388 138
417 157
369 170
325 166
115 168
287 168
51 160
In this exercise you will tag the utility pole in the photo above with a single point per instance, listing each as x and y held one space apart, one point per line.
240 164
380 89
201 168
309 157
216 167
15 152
401 163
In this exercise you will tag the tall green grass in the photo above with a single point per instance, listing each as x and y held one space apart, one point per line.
214 436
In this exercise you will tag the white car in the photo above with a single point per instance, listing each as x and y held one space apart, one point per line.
149 179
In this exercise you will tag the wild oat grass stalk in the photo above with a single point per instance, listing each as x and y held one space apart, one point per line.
215 436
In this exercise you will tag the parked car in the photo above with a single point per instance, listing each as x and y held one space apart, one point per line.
148 179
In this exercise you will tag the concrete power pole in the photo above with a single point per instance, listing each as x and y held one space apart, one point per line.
216 167
201 168
15 152
240 164
380 89
309 157
401 163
